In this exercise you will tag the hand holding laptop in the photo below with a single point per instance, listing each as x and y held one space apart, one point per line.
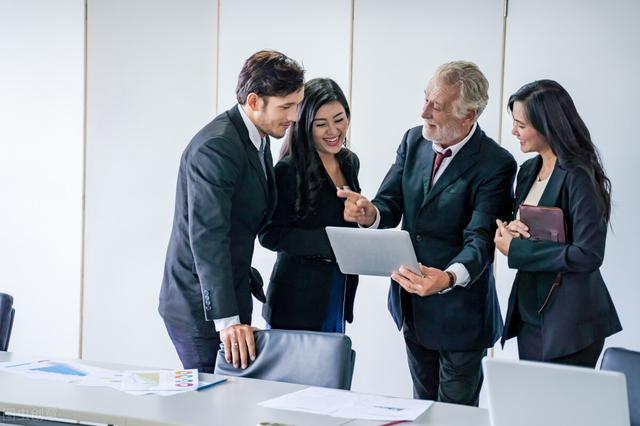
431 281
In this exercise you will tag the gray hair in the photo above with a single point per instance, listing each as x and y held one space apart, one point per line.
473 86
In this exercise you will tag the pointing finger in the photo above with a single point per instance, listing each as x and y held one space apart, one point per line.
349 195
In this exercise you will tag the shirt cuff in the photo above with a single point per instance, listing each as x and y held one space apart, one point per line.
462 275
375 224
223 323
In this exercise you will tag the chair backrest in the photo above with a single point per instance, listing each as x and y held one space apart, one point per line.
628 363
293 356
6 320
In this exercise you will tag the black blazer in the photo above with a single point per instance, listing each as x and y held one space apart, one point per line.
222 201
453 222
298 292
579 311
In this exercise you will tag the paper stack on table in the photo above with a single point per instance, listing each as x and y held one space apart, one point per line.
350 405
159 382
156 382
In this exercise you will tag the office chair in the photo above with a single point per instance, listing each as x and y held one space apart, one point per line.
6 320
627 362
295 356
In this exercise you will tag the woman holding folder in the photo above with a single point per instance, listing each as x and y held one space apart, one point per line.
559 307
307 291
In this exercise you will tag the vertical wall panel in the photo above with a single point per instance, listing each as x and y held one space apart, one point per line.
151 86
41 146
397 47
589 47
316 35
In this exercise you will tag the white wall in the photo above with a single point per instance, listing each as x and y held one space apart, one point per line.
41 166
151 85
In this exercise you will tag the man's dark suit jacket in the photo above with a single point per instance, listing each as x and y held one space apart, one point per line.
222 201
299 290
453 222
579 311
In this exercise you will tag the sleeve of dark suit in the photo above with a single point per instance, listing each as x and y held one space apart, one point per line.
212 172
389 199
493 199
585 252
281 234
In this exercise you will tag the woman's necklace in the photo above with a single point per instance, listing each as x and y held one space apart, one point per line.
543 175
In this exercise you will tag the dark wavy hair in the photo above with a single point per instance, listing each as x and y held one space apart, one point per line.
269 73
299 143
552 113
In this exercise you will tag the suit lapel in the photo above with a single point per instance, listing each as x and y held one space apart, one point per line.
461 162
429 158
552 191
250 148
525 180
346 166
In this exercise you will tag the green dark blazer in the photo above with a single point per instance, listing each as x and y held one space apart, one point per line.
453 221
579 311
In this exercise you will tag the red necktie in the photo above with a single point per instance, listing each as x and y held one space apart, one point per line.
436 164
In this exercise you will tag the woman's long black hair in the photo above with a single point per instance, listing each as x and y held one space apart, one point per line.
299 144
551 112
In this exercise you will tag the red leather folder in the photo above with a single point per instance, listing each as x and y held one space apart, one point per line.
545 223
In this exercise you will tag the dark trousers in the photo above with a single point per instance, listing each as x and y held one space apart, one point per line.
195 351
445 376
530 348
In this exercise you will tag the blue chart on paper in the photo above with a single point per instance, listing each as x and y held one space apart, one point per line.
61 369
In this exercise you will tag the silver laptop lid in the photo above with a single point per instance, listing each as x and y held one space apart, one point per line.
372 251
528 393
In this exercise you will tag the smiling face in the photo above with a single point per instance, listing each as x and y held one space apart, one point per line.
530 139
329 128
440 123
273 115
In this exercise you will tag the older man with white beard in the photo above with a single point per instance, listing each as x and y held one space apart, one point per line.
448 185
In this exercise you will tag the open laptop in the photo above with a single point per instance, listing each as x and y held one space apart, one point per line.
372 251
525 393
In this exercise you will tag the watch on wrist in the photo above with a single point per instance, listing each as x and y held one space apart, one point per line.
452 279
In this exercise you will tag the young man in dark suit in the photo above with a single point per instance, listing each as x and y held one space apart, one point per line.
448 184
225 195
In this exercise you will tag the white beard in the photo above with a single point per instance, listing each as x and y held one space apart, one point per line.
442 135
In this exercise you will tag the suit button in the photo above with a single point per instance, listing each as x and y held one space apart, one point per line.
418 237
264 212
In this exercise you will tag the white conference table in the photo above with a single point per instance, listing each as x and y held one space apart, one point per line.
234 402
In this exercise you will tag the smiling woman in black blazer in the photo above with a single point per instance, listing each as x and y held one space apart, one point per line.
565 323
307 291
